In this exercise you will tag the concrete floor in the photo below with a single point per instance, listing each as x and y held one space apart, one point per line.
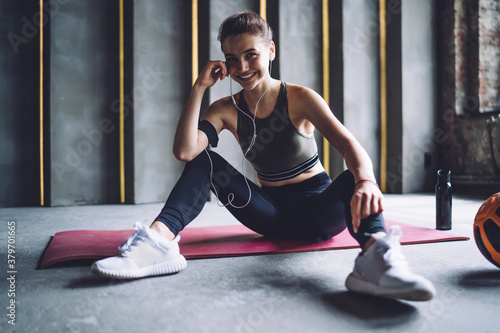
302 292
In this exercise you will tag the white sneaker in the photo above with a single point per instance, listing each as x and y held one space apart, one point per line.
383 271
145 253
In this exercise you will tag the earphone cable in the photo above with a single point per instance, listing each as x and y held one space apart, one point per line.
231 196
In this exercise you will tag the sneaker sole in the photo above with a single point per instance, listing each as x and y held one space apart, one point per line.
419 292
162 268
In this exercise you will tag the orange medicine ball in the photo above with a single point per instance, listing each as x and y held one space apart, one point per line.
487 229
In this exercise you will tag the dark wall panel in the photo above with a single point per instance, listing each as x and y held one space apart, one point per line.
336 76
394 106
19 111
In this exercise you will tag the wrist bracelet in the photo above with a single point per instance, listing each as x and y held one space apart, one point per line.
365 180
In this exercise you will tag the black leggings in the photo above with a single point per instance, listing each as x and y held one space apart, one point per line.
315 209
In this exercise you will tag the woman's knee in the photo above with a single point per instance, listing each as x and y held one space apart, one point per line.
346 178
215 166
204 161
343 185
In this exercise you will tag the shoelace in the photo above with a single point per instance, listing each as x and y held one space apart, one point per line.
393 256
395 232
133 240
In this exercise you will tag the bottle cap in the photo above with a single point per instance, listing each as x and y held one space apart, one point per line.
443 175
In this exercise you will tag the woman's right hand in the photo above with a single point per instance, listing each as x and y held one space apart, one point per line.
213 71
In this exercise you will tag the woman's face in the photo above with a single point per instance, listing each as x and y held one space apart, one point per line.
247 59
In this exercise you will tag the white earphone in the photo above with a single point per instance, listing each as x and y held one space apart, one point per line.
230 197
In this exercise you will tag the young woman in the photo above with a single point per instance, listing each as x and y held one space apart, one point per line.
273 122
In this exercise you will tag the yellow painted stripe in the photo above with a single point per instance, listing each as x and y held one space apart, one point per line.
122 107
194 40
42 181
326 77
263 9
383 97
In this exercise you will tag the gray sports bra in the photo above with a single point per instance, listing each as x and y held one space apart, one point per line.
280 151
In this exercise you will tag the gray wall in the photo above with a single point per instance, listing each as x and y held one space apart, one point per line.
361 74
83 69
82 87
162 79
81 100
84 59
411 100
419 94
301 36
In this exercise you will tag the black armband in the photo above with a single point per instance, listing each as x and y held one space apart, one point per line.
206 127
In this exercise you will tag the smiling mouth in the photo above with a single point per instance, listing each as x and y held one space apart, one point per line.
247 77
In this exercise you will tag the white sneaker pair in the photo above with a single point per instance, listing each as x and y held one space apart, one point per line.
145 253
383 271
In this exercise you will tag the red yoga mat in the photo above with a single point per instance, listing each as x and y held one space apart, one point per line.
215 242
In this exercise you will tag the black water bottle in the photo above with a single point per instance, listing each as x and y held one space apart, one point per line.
443 200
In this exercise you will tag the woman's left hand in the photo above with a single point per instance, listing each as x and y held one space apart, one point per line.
366 201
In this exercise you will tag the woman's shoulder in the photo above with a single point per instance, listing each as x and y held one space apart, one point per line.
222 111
224 104
297 94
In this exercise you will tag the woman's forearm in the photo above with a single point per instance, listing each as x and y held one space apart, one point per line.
186 144
359 162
